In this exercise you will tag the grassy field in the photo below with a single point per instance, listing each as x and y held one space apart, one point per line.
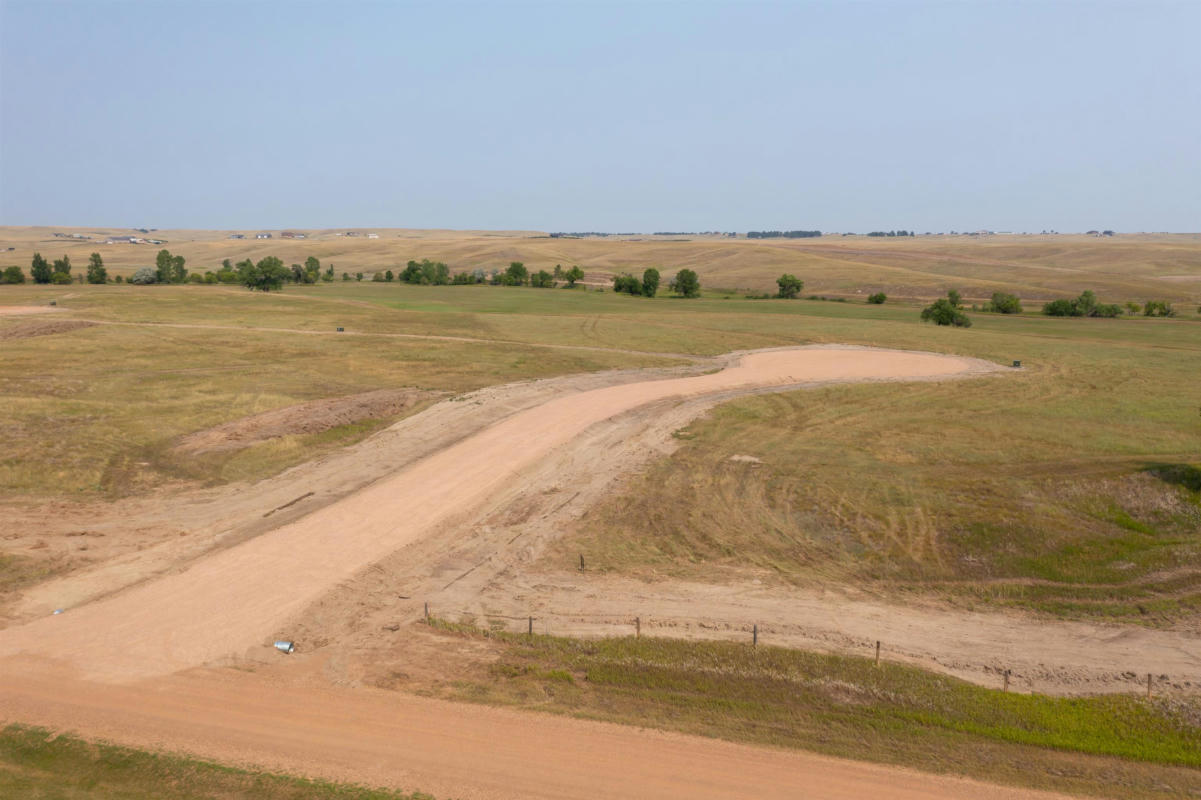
1114 746
36 765
1068 487
1135 267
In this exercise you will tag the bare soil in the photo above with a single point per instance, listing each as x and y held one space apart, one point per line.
40 327
312 417
455 506
20 311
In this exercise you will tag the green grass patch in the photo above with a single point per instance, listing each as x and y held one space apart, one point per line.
1114 745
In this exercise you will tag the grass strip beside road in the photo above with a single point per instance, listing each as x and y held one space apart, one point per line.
1111 746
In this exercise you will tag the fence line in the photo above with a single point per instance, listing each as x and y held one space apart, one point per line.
636 623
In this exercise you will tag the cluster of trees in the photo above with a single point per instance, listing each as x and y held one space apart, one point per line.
782 234
1085 305
877 299
685 284
892 233
59 272
947 311
647 287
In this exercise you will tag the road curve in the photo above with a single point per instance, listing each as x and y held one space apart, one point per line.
236 598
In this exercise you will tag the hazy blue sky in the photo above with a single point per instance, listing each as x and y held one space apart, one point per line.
618 117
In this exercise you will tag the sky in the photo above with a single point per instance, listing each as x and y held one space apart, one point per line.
620 117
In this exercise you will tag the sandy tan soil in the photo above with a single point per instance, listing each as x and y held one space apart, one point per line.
450 750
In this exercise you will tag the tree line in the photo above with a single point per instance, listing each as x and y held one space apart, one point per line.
783 234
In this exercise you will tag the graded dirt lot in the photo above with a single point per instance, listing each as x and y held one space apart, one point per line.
226 603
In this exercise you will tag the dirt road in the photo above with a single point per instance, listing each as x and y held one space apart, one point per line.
233 600
448 749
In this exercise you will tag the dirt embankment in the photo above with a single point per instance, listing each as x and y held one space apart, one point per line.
41 327
314 416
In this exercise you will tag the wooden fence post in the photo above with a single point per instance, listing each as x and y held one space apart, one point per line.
1006 680
1148 685
531 630
877 652
755 636
427 612
637 627
581 562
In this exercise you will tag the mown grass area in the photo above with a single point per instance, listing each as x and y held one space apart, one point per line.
38 765
1047 488
1110 746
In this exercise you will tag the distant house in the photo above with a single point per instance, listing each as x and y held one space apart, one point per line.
122 240
291 235
237 236
262 236
352 233
373 236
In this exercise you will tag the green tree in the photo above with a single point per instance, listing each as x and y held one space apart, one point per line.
686 283
96 271
558 274
877 299
12 275
790 286
574 274
542 280
954 299
312 264
267 275
389 276
40 270
62 266
1158 308
650 282
627 283
944 311
1004 303
516 274
170 268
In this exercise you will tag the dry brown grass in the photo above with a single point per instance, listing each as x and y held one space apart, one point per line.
1134 267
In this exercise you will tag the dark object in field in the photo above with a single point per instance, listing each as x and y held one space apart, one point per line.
53 302
340 330
285 647
1017 364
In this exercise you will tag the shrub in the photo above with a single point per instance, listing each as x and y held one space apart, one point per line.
945 311
627 283
790 286
120 279
1133 308
877 299
650 282
358 276
463 279
377 277
195 277
210 277
225 275
345 276
12 275
686 283
1060 308
1158 308
1107 310
542 280
389 276
1003 303
144 276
